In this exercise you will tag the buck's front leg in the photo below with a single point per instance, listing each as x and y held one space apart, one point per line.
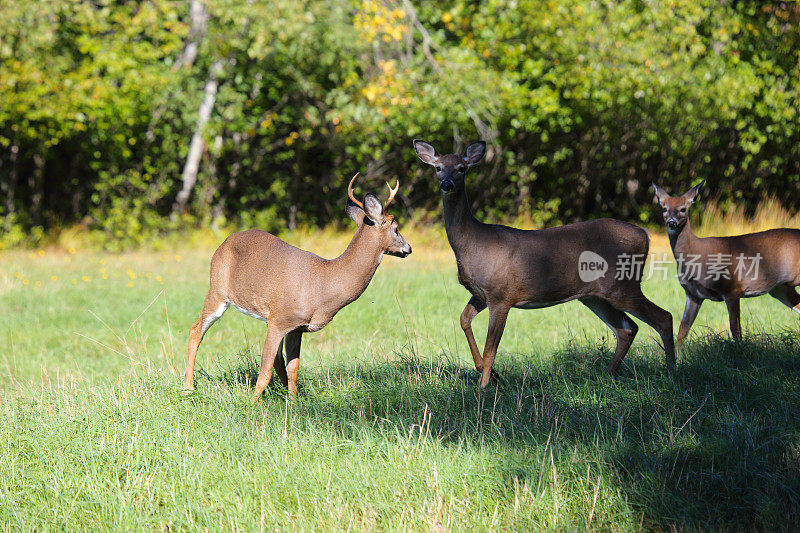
497 323
271 345
292 344
280 364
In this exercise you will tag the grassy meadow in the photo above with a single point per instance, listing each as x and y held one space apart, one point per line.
390 430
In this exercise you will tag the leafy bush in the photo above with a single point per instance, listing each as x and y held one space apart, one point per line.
583 104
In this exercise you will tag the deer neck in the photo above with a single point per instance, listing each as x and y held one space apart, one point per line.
351 272
459 222
683 241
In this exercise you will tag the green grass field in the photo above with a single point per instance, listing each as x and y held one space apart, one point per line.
390 430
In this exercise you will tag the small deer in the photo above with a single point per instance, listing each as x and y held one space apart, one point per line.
729 268
505 267
293 290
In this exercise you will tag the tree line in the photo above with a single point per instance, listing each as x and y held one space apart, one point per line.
133 118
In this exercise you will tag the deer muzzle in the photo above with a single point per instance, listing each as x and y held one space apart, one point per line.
405 251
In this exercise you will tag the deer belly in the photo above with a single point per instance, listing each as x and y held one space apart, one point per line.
700 292
536 305
250 313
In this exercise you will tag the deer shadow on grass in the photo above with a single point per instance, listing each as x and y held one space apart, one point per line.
716 445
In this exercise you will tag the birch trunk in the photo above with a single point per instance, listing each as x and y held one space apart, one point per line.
197 145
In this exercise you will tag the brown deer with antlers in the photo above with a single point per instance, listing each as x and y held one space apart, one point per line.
293 290
506 268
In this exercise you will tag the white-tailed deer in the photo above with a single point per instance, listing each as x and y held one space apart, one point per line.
729 268
505 267
294 291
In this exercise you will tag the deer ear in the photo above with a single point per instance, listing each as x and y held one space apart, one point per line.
373 208
661 196
425 152
475 153
692 194
355 212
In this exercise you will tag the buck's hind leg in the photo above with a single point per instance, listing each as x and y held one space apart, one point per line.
213 308
621 324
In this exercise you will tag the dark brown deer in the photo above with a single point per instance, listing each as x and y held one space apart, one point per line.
505 267
294 291
729 268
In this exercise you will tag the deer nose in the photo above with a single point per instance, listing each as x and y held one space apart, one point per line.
447 185
672 223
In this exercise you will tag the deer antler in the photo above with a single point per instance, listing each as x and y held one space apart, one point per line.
350 192
392 192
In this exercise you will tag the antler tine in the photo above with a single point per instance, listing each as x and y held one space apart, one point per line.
392 192
350 192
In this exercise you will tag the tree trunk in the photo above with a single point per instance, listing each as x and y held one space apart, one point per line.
199 18
36 185
9 188
192 165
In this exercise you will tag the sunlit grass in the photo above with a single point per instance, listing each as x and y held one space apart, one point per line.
389 429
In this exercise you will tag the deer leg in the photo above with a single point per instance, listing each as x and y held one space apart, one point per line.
734 316
787 296
473 307
497 323
213 308
280 365
271 346
292 345
658 319
623 327
689 315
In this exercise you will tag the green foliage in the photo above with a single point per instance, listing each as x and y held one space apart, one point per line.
584 104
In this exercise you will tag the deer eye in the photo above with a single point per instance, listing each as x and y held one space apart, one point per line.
438 169
460 169
683 209
665 209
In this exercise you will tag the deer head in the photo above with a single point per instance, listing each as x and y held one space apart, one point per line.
451 168
676 208
371 216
